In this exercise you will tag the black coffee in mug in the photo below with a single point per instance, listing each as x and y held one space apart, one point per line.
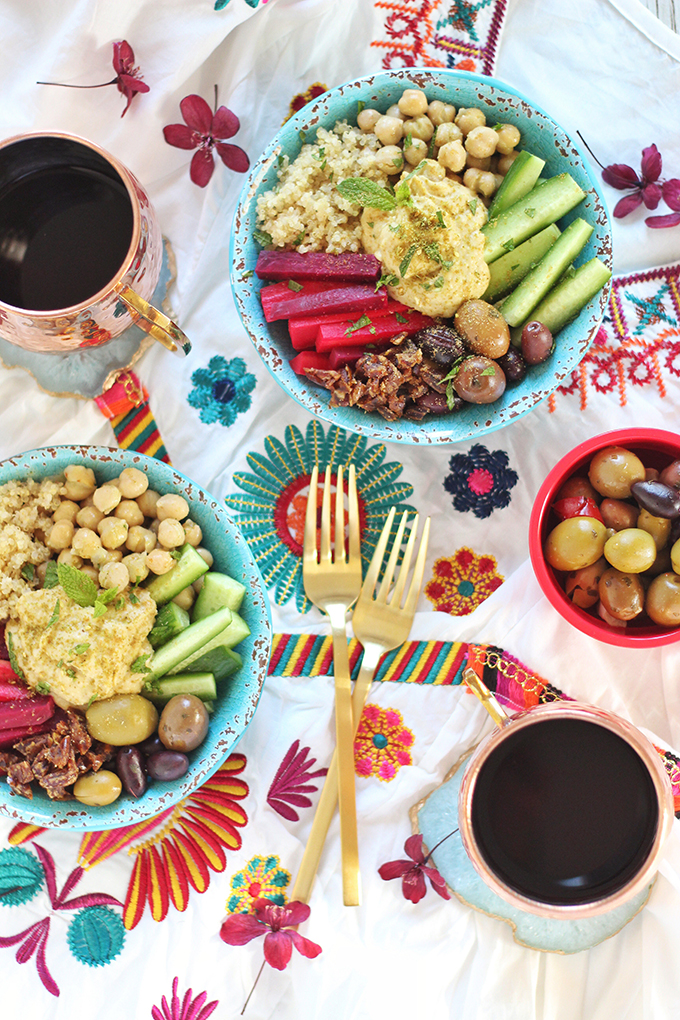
564 811
66 223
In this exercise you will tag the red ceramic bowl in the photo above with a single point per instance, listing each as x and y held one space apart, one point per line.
656 449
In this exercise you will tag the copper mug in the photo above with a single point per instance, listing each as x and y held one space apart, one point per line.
564 809
81 251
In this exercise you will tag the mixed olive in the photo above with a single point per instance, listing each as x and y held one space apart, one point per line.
617 543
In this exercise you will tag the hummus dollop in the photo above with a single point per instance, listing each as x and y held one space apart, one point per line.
76 656
430 243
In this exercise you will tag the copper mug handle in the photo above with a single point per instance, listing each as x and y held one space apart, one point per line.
155 323
495 710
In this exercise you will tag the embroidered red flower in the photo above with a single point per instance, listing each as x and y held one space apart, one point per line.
413 872
128 79
278 925
204 130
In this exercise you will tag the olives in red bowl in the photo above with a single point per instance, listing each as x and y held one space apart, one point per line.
604 537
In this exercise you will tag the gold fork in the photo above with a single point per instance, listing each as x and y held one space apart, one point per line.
332 582
380 626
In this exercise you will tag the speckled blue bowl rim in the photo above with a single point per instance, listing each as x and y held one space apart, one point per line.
561 152
238 698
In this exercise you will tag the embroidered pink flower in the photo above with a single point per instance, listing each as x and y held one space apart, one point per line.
278 925
188 1008
129 79
204 130
413 872
382 743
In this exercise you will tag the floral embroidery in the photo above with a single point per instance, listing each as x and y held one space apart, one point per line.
189 1008
381 744
291 782
638 343
461 582
100 937
302 98
271 513
432 33
222 391
480 480
262 878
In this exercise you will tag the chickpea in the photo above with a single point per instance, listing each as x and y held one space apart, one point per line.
389 130
185 599
70 558
136 566
66 511
508 139
481 142
89 517
60 535
441 113
102 556
170 533
389 159
172 505
140 540
41 572
206 554
447 133
153 526
114 575
128 511
80 482
159 561
367 120
416 152
394 111
506 161
469 117
106 498
113 532
147 502
419 127
198 584
433 171
132 483
91 571
413 102
479 181
452 156
479 164
86 543
192 533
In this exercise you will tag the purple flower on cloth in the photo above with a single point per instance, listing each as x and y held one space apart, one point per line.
189 1008
291 782
414 871
278 925
671 196
644 187
480 480
204 131
128 79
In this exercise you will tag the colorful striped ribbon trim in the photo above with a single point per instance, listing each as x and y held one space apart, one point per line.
126 405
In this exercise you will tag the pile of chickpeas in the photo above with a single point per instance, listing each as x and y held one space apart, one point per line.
121 531
471 152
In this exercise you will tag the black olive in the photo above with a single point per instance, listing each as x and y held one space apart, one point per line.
514 366
441 343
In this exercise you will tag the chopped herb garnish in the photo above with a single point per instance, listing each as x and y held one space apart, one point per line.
399 317
140 664
439 282
530 213
472 205
102 601
54 617
300 238
93 698
42 687
248 273
302 135
133 599
279 160
28 571
119 603
359 324
509 244
9 641
490 370
176 554
51 575
402 192
320 154
361 105
294 285
431 146
387 280
440 219
406 261
408 141
372 329
80 649
372 224
432 251
366 193
264 239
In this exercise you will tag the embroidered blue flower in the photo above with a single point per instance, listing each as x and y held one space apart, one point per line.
271 513
480 480
21 875
222 390
96 935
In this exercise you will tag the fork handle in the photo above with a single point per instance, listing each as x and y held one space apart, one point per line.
328 799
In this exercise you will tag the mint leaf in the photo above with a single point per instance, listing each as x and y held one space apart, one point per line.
399 317
140 664
102 601
9 641
55 615
294 285
387 280
77 585
402 193
264 239
28 571
440 218
406 261
42 688
363 192
472 205
51 575
431 249
80 649
359 324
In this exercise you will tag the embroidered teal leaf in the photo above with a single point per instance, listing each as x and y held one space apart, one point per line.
21 875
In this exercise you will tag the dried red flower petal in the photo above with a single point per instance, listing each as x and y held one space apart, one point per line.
205 131
277 924
129 80
413 875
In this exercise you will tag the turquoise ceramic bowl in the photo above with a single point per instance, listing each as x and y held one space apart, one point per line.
540 135
238 698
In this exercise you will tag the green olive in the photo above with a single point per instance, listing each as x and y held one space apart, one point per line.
576 542
97 788
658 527
631 550
613 470
122 719
663 600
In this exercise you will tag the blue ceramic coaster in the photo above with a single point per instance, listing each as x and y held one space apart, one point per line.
437 816
86 372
